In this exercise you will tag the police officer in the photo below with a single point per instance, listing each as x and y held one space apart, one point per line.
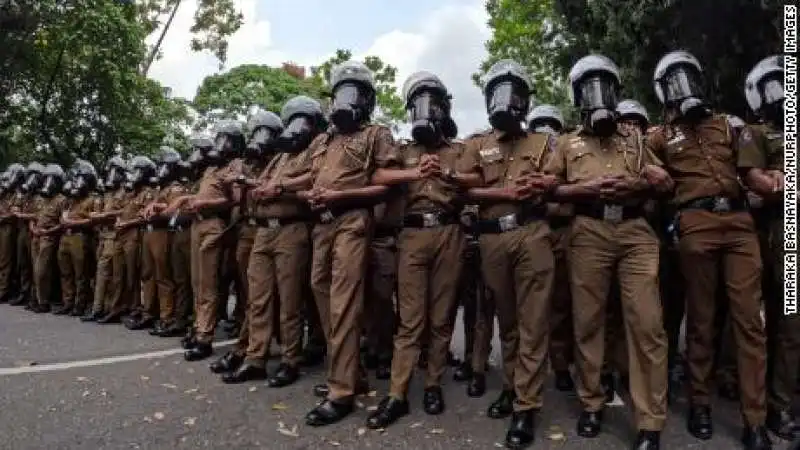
516 250
180 256
343 161
765 96
110 259
212 205
715 231
13 176
265 127
20 206
435 172
547 119
74 248
29 214
48 229
607 172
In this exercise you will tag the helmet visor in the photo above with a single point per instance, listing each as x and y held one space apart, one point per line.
681 83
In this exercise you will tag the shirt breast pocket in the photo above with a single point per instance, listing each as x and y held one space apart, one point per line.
583 164
355 154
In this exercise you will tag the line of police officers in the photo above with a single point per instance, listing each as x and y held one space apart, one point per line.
562 238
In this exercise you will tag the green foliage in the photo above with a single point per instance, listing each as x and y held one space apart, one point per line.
548 36
75 90
391 108
233 93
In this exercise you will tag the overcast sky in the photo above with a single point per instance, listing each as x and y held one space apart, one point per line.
445 37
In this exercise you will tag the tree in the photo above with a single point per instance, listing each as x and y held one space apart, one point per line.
232 94
727 36
76 89
390 107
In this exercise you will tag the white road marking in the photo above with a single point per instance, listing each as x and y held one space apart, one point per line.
98 362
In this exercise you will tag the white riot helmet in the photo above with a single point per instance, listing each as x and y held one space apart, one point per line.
763 89
680 84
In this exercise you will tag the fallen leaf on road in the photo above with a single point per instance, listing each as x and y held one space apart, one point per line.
253 389
334 443
158 416
169 386
200 397
415 425
372 394
81 378
279 407
190 391
437 431
362 431
287 432
190 421
144 378
372 408
499 445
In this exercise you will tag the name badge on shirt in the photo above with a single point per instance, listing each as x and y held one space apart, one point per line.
490 154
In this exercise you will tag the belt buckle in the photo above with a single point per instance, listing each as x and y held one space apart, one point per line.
430 220
508 223
173 222
721 204
273 223
149 227
612 213
326 216
252 222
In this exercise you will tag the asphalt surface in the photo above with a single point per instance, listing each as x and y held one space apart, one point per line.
142 399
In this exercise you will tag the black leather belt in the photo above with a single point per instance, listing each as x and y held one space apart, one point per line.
511 222
326 216
430 219
274 222
716 204
609 212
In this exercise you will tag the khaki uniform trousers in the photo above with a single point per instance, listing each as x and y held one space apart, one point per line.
7 253
518 269
73 252
35 270
596 250
339 267
379 301
24 263
210 234
103 284
429 263
157 283
126 282
471 295
244 248
45 268
562 338
181 263
277 276
710 241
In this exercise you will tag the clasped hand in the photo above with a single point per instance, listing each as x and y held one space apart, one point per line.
319 197
531 184
429 166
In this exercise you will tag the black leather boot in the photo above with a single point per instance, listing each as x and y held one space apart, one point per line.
521 431
284 376
647 440
503 406
590 423
389 411
245 372
756 438
199 352
699 422
329 412
477 385
463 372
783 423
433 400
229 362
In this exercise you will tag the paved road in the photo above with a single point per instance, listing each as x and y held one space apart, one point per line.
57 393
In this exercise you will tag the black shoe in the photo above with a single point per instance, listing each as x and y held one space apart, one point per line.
157 329
699 422
503 406
284 376
189 341
328 412
322 390
110 318
520 432
199 352
647 440
477 385
564 381
142 323
433 400
463 372
728 391
92 316
245 372
40 308
384 369
783 424
171 330
77 312
756 438
389 411
21 299
62 311
589 424
229 362
607 382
